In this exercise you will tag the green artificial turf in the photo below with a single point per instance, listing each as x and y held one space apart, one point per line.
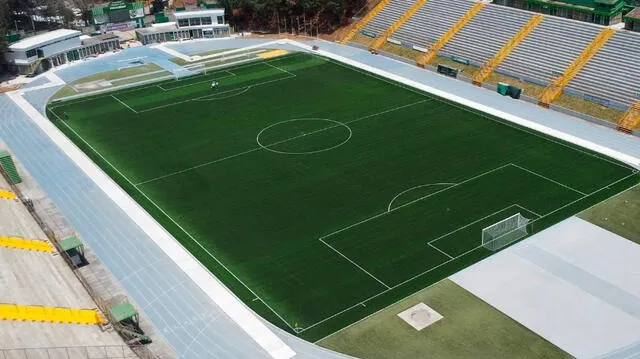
320 193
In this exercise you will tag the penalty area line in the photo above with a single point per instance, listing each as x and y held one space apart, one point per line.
548 179
124 104
279 69
355 264
360 303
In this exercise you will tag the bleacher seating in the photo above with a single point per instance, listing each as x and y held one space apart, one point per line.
542 56
432 20
549 49
486 33
612 74
388 16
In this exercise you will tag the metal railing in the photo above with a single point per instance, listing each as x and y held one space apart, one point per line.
140 351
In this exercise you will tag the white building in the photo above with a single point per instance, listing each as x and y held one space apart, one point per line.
188 25
42 52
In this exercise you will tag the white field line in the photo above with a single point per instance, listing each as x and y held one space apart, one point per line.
163 212
355 264
133 87
590 194
212 95
196 166
280 69
124 104
386 290
493 112
484 110
220 294
279 142
414 201
476 221
549 179
530 211
416 187
233 94
161 88
459 256
199 82
440 250
208 95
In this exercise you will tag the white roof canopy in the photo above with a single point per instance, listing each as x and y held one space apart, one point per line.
44 39
200 13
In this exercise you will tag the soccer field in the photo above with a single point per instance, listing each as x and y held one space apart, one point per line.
319 193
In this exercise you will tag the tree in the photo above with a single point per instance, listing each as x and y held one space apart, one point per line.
265 14
68 17
158 6
4 26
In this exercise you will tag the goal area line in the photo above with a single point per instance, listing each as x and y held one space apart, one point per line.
538 217
154 84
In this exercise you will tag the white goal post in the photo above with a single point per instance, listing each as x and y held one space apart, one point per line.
194 70
505 232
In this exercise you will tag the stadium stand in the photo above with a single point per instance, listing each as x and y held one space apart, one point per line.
382 38
497 59
549 49
4 194
431 21
579 58
433 50
602 76
63 301
46 306
365 20
26 244
387 16
486 33
555 88
630 119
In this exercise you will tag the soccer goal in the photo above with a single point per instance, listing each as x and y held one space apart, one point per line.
504 232
195 70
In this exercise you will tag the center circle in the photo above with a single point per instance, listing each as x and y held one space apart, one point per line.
303 136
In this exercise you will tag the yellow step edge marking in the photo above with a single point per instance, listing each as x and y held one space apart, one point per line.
630 119
555 88
396 25
7 194
364 21
272 53
36 313
433 49
502 54
26 244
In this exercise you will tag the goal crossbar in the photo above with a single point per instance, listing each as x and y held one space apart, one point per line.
504 232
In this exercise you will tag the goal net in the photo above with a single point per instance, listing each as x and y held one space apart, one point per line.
184 72
504 232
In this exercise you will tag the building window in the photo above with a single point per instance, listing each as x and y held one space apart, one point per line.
183 22
31 53
206 21
194 21
220 19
